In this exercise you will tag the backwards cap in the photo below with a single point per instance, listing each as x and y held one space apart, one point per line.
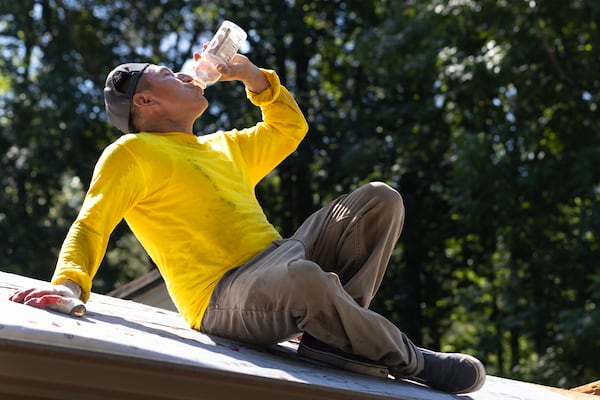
119 90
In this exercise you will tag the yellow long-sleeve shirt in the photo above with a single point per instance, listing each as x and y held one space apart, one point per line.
189 200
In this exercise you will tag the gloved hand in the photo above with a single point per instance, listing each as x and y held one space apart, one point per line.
63 298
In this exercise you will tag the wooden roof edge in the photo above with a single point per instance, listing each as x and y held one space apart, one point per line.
31 370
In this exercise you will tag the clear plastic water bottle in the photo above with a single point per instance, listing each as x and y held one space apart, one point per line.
221 48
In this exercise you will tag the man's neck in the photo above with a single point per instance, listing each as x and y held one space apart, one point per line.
166 126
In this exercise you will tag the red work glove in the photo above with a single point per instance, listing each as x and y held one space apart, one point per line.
63 298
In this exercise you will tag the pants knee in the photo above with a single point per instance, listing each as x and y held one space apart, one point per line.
389 198
309 277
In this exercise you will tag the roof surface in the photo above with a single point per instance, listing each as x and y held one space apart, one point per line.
124 331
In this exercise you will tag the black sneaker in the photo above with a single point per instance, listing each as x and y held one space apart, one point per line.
451 372
316 350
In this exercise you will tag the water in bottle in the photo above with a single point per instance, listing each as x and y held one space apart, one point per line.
221 48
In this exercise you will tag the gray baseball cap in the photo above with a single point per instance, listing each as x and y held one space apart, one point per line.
118 92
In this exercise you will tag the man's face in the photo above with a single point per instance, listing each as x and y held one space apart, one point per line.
177 94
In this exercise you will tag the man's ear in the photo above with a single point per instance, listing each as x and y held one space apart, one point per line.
143 99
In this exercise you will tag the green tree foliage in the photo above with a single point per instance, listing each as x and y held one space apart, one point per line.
483 113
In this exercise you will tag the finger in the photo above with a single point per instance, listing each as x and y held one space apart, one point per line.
20 295
228 71
224 69
43 301
65 305
37 293
235 68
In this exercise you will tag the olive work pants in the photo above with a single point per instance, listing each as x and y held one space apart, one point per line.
321 281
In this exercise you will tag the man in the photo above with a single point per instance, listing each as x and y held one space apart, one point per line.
191 203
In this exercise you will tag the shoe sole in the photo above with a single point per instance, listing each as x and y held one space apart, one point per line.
347 364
